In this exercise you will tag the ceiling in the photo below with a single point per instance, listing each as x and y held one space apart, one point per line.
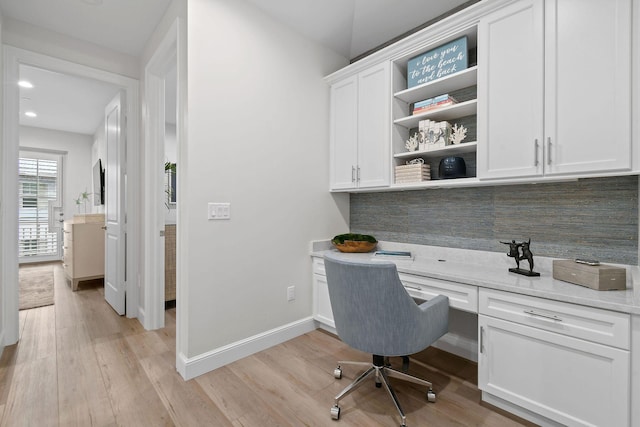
353 27
348 27
121 25
63 102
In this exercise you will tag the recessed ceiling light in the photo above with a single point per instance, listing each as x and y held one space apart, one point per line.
25 84
30 114
93 2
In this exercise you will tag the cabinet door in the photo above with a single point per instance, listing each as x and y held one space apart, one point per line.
571 381
321 303
588 86
510 91
344 134
88 250
374 119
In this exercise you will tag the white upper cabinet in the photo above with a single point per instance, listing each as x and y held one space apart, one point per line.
554 89
511 91
588 86
344 133
360 121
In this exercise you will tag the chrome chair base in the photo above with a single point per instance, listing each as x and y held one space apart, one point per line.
381 372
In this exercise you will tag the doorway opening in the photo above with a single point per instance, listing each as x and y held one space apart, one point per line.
16 61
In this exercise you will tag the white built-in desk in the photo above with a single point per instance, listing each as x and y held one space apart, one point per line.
549 351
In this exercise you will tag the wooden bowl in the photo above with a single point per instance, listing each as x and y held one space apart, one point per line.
355 246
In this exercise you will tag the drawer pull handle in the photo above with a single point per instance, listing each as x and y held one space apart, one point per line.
413 287
546 316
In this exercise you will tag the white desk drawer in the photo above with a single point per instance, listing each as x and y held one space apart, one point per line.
592 324
462 297
318 266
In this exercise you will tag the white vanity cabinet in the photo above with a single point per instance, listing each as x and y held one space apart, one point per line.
360 129
565 362
554 89
83 248
321 303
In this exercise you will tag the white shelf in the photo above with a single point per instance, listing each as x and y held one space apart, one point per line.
450 112
461 79
465 147
437 183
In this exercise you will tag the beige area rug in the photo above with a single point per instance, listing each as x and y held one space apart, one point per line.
36 285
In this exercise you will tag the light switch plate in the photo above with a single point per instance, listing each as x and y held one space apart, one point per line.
219 211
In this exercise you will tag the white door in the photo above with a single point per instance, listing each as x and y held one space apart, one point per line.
115 268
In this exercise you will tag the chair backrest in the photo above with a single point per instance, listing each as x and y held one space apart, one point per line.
374 313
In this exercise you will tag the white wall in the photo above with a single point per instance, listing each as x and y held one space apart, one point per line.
77 164
258 138
36 39
2 257
99 152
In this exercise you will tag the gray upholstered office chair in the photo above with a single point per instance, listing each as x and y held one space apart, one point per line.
374 313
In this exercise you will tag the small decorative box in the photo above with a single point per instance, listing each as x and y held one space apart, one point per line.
412 173
599 277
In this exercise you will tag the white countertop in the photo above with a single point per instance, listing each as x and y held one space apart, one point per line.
490 270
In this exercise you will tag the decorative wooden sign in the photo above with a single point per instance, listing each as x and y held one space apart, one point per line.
437 63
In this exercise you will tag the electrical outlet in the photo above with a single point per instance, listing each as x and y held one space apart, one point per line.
291 293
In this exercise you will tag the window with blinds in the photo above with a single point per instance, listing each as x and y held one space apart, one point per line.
37 185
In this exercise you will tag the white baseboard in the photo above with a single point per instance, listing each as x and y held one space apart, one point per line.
141 317
194 366
458 345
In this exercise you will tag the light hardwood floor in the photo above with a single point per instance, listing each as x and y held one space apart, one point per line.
79 364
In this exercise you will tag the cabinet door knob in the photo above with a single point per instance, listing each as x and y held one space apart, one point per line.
104 227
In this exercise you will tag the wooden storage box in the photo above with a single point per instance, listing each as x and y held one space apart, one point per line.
412 173
598 277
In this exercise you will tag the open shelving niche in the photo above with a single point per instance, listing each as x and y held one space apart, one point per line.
462 86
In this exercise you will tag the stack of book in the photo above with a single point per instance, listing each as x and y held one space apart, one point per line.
433 103
412 173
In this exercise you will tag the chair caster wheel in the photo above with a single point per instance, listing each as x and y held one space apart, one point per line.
337 373
378 385
335 412
431 396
